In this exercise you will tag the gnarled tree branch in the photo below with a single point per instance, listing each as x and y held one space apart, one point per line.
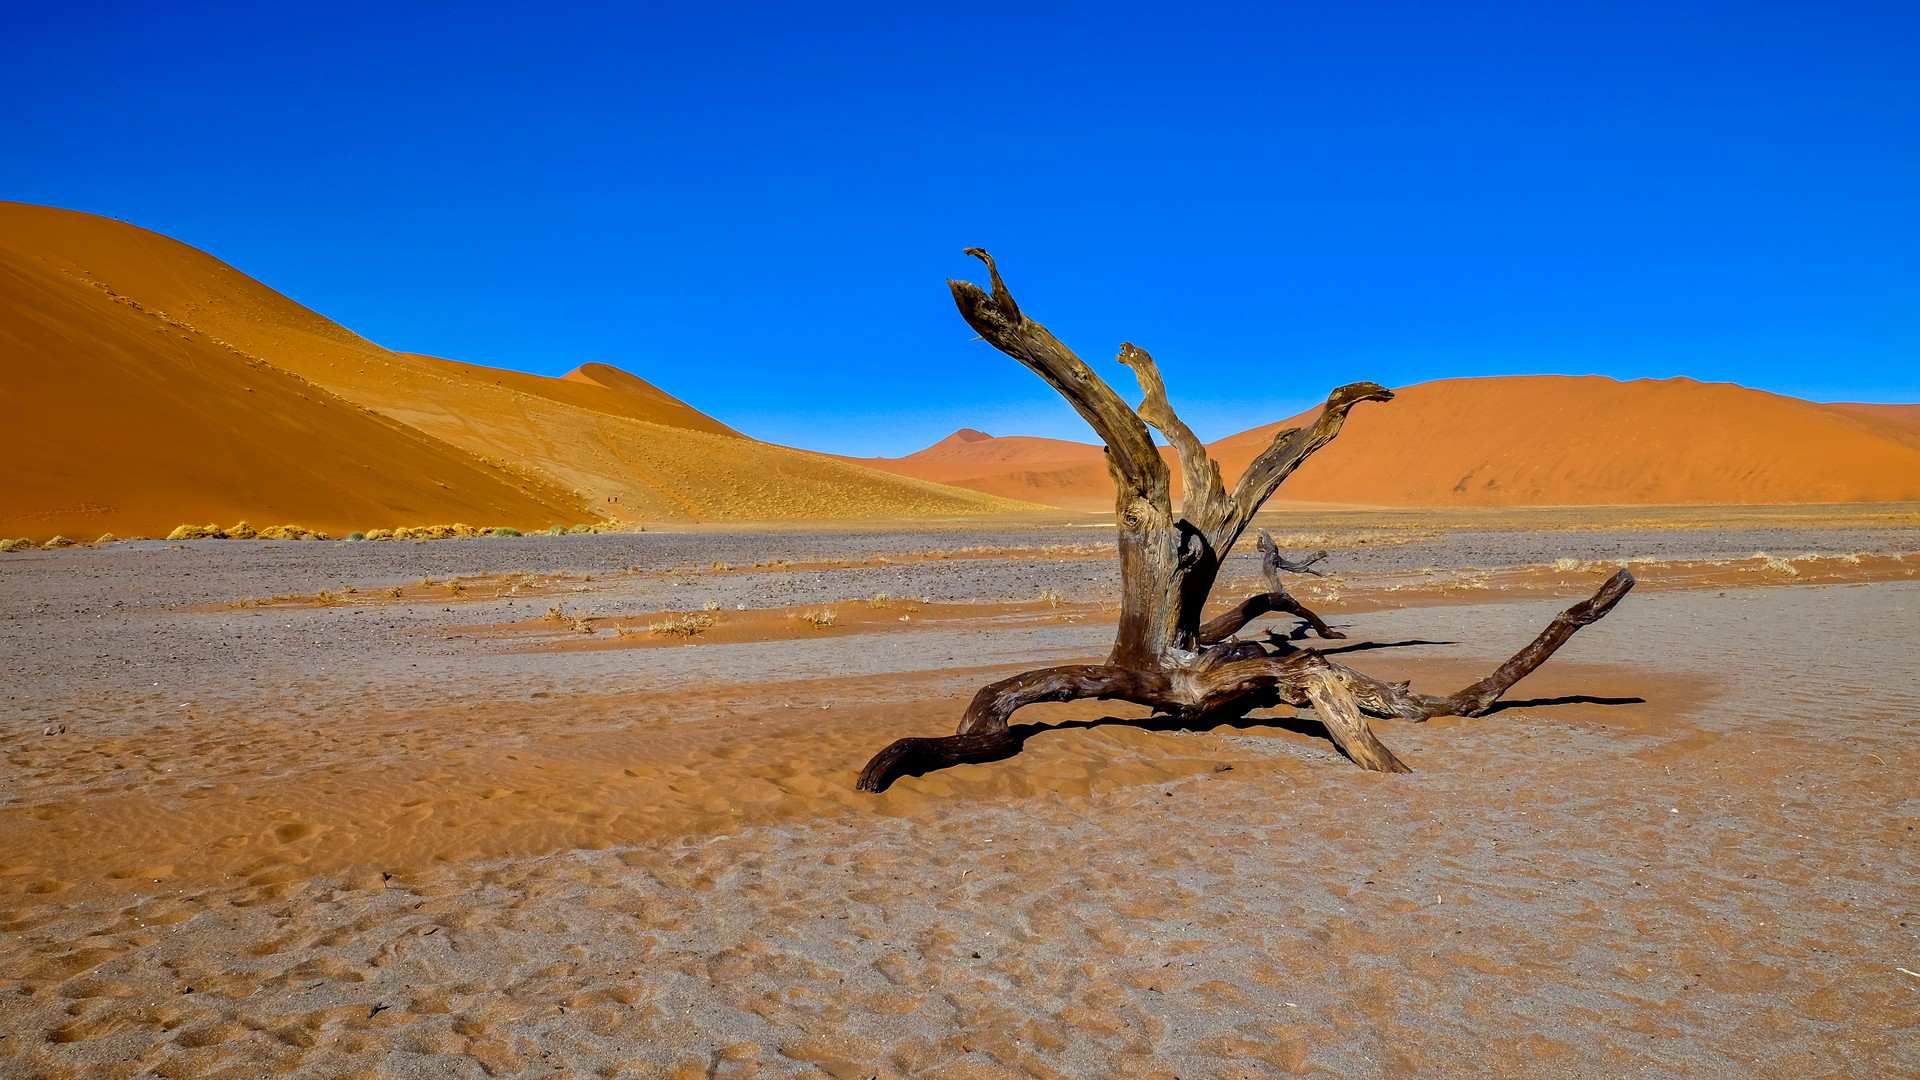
1288 450
1203 497
1138 469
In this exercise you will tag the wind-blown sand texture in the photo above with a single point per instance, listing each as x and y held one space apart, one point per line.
378 835
150 384
1537 440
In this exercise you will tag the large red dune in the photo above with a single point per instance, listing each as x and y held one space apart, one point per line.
127 358
121 419
1898 412
1537 440
1051 471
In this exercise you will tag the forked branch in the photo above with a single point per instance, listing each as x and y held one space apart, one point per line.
1138 469
1204 497
1289 449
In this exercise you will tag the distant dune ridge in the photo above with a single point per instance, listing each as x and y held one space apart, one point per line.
146 384
1537 440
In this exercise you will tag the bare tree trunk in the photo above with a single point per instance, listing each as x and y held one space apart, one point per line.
1162 656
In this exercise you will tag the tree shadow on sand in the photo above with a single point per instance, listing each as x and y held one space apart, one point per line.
1015 739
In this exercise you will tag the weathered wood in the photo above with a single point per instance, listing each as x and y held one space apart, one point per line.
1162 656
1475 700
1333 700
1230 622
1276 598
983 730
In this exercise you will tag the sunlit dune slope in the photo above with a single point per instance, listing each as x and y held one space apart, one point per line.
1909 413
610 442
120 419
1550 440
1526 441
1051 471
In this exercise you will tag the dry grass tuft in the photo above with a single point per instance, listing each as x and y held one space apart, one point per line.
1051 598
819 620
22 544
688 625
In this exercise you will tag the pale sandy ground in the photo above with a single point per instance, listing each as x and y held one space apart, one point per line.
434 835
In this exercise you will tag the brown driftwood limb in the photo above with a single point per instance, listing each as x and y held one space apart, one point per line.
1276 598
1163 657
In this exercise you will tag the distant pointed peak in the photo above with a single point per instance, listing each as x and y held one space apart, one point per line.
965 435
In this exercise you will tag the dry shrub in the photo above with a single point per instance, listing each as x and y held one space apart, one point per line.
22 544
711 605
881 600
687 625
435 532
108 538
243 531
197 532
1051 598
57 542
819 620
1775 564
722 566
397 591
288 532
380 534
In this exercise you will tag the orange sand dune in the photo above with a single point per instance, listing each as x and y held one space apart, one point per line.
1910 413
1542 440
121 419
1051 471
599 439
1550 440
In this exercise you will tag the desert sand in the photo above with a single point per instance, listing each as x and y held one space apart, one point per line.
1898 412
328 809
150 385
1539 440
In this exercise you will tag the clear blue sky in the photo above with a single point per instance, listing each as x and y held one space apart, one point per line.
754 206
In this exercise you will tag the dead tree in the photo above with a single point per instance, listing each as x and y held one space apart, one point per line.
1163 657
